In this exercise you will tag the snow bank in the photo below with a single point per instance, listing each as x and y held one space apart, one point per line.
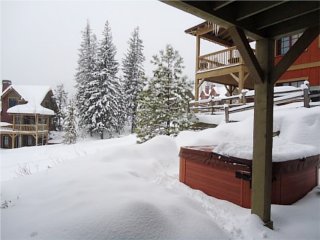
114 194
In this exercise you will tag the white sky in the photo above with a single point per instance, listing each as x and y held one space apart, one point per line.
40 39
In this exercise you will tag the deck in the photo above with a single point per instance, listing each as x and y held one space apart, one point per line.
225 67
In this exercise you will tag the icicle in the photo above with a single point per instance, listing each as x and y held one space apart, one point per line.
215 29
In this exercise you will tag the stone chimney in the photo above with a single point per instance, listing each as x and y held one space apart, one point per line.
5 84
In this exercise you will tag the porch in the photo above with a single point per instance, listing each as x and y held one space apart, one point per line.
25 130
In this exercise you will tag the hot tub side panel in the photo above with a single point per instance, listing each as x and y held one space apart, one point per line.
295 185
216 181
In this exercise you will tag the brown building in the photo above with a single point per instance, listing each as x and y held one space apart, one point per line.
26 115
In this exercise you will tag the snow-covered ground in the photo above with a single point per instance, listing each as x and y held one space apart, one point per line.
117 189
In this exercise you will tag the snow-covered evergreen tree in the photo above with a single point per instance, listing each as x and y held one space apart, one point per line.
85 76
133 75
70 124
106 89
163 107
147 125
60 97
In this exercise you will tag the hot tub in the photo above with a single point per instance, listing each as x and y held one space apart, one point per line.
229 178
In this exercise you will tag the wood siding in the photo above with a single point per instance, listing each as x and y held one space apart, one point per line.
5 117
308 65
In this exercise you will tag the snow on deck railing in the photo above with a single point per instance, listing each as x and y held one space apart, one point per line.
244 101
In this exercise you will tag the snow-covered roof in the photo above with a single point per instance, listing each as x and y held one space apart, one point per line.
5 124
34 95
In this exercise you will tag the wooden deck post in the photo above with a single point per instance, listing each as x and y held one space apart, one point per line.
12 141
196 81
241 79
196 89
13 127
262 134
37 121
226 113
306 98
260 66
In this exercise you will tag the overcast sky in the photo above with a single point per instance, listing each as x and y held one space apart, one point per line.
40 39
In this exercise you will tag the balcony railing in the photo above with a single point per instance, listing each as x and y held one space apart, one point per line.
223 58
30 127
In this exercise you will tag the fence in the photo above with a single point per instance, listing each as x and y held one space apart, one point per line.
244 101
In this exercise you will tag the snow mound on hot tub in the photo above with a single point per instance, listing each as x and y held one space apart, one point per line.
299 135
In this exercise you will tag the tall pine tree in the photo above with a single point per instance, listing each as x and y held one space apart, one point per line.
70 124
85 77
106 89
163 107
133 75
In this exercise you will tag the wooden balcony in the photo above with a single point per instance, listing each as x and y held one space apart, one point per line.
25 129
221 59
30 127
225 67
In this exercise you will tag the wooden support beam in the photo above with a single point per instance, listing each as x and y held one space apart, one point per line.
221 4
234 77
281 13
293 26
12 141
241 80
247 54
294 52
37 122
262 135
245 77
196 89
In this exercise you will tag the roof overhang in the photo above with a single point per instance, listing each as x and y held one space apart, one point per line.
212 32
259 19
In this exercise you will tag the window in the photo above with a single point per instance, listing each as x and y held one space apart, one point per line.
284 44
5 141
30 142
12 102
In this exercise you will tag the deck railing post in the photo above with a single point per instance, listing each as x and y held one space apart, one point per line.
306 98
212 109
243 96
226 112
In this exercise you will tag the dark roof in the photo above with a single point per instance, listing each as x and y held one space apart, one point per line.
259 19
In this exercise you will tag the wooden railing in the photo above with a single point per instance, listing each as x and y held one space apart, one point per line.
30 127
223 58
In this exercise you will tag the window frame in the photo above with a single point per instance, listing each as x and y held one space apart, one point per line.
292 39
5 141
12 98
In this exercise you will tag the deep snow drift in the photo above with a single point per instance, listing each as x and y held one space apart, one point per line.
116 189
